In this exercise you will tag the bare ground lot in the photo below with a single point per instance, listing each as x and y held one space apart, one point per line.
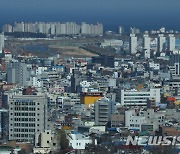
66 48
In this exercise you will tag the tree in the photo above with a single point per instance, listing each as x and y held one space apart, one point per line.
62 140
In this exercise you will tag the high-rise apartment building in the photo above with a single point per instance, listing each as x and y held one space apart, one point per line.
161 43
72 28
7 28
1 42
40 27
146 45
90 29
53 29
121 30
27 116
30 27
60 28
171 42
56 28
17 72
133 44
134 30
18 27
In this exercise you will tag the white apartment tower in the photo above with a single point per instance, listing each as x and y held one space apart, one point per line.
161 42
7 28
146 45
90 29
1 42
133 44
17 73
60 28
121 30
171 42
18 27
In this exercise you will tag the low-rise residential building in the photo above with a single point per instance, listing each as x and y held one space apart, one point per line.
79 141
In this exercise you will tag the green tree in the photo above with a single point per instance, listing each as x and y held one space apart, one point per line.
62 140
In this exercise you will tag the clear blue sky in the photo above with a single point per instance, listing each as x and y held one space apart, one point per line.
143 13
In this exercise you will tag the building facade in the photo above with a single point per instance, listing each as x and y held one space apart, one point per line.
139 98
27 116
146 44
133 44
161 43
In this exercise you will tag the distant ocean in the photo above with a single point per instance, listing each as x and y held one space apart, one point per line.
178 42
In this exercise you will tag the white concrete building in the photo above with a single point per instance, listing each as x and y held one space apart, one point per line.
146 45
35 82
161 42
150 120
121 30
90 29
27 116
18 27
171 42
133 121
154 66
133 44
1 42
112 43
79 141
72 28
40 26
40 70
7 28
60 28
53 29
139 98
45 142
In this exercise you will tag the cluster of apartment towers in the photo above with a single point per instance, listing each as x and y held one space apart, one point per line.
161 44
56 28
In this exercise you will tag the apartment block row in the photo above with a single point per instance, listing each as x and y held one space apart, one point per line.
56 28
